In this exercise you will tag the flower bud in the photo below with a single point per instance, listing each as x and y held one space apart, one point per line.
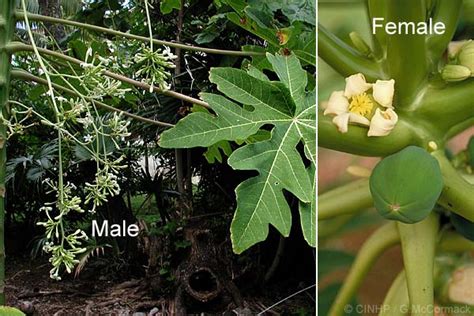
453 73
466 56
454 48
360 44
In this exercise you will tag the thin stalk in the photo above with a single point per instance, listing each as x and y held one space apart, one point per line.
276 260
327 228
346 199
148 20
343 58
43 18
457 195
23 75
448 13
382 239
376 8
16 47
7 27
418 247
58 121
396 301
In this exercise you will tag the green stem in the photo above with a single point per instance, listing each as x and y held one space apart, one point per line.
42 18
148 20
459 128
418 247
376 8
7 27
356 141
396 301
346 199
457 195
16 47
406 53
382 239
449 106
327 228
23 75
343 58
453 242
448 13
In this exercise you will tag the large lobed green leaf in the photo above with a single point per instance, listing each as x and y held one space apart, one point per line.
250 104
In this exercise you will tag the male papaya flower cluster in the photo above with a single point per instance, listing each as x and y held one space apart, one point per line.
95 83
461 58
363 103
154 67
63 246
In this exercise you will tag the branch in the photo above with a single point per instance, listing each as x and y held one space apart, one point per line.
23 75
376 8
43 18
457 195
382 239
346 199
456 129
448 106
329 227
447 12
17 46
453 242
356 141
418 247
343 58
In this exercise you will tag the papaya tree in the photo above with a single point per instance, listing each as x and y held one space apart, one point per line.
267 109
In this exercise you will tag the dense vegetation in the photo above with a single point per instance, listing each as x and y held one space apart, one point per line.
95 88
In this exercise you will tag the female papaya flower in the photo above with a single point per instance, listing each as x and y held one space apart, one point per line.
363 103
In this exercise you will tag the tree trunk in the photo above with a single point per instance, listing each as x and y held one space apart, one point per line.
7 26
52 8
204 284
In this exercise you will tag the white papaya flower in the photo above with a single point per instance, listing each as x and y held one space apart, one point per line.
383 122
359 102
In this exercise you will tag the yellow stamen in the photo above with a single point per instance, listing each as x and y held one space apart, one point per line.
361 104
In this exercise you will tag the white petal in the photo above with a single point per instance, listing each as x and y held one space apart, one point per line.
337 104
359 119
383 92
342 122
382 123
355 85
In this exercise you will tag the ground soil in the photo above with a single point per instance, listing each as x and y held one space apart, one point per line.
28 285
